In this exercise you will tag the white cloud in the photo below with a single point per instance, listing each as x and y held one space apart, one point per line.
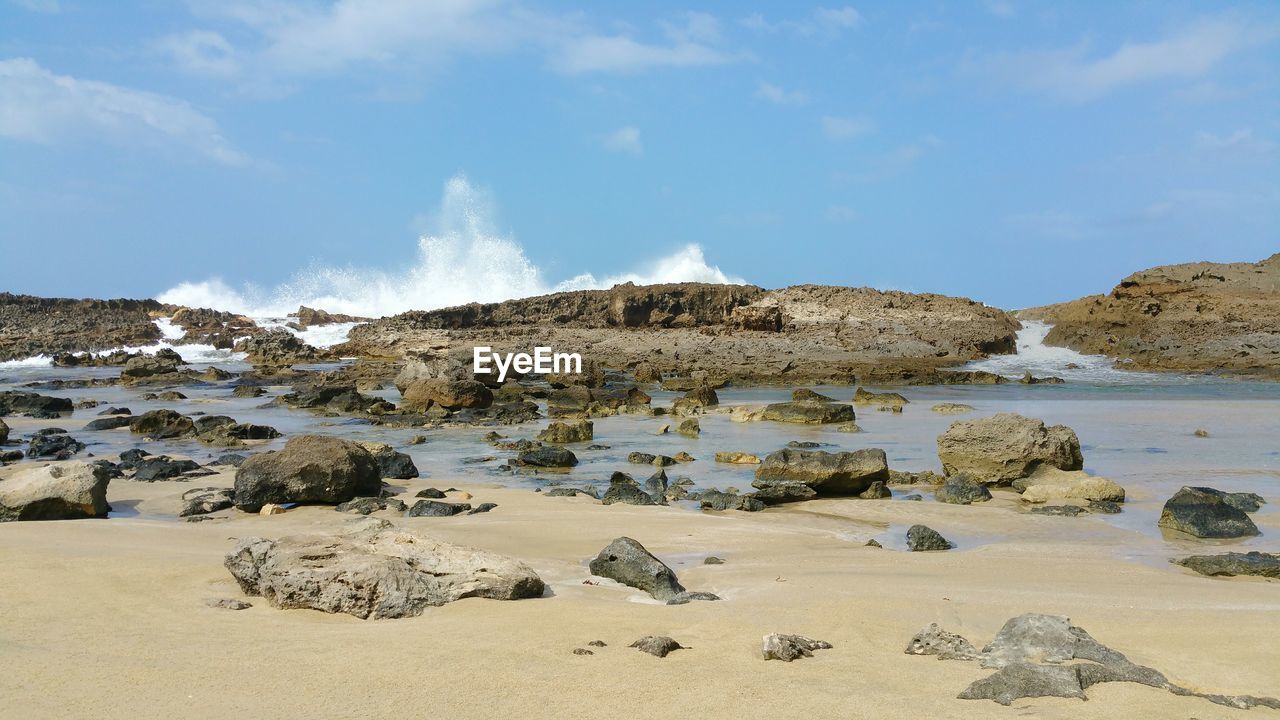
839 129
1075 76
624 140
296 38
823 22
40 6
39 106
201 52
777 94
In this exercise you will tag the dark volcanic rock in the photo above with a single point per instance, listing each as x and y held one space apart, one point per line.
56 445
1228 564
629 563
716 500
624 489
202 501
393 465
433 508
310 469
800 474
14 402
162 467
162 424
276 347
107 423
366 505
1205 513
32 325
922 538
960 490
549 457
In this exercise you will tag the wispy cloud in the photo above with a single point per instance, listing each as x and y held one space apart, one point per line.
41 6
779 95
1241 140
841 214
1080 74
895 162
624 140
39 106
297 38
839 129
201 52
823 22
694 42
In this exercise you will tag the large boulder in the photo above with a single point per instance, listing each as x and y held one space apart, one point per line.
788 474
1000 449
276 347
1205 513
161 368
1049 483
62 491
808 412
451 394
310 469
377 571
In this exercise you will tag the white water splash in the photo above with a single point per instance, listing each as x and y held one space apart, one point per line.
465 259
1046 360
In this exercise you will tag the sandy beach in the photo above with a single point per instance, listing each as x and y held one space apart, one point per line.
107 618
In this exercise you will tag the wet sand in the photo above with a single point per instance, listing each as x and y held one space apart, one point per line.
106 618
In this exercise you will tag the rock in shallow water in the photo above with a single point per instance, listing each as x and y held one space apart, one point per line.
1205 513
809 412
961 490
310 469
376 571
922 538
788 475
1002 448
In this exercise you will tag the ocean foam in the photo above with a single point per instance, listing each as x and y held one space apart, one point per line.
1045 360
466 259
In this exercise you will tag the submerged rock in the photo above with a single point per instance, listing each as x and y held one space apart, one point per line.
310 469
1049 483
737 458
1205 513
808 412
887 399
952 408
1229 564
790 647
571 432
377 572
63 491
1000 449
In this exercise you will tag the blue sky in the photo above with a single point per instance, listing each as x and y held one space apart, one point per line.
1015 152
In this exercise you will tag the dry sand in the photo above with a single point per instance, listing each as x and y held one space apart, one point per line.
106 618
